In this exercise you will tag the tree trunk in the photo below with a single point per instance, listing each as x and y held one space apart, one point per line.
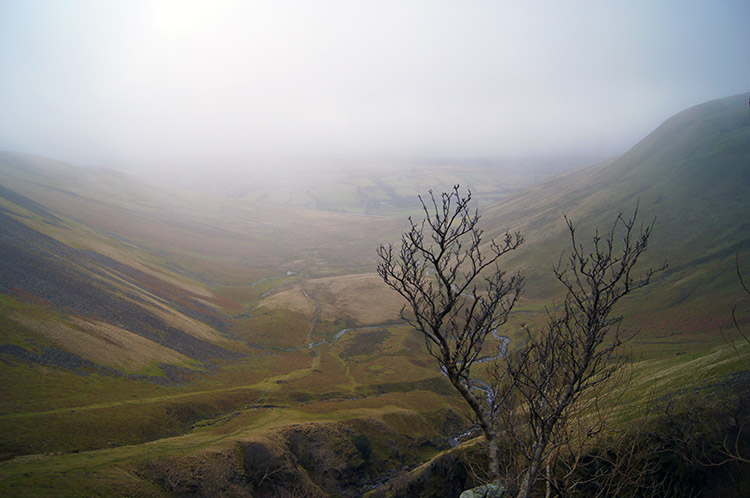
549 477
485 422
494 456
534 466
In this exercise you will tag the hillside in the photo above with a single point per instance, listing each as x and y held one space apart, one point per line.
193 231
691 176
690 173
119 315
159 331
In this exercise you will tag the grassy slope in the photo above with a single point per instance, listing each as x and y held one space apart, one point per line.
100 283
691 175
120 471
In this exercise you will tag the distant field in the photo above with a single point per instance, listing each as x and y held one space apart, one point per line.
384 188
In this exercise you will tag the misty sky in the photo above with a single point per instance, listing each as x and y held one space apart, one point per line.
183 84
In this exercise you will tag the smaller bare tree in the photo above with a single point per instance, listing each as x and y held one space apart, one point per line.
561 372
439 273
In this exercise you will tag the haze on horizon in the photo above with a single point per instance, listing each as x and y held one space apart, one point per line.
173 85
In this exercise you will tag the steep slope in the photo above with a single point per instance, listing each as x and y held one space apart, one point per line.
105 310
692 175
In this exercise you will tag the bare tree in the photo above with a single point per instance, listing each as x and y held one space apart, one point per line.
438 270
562 371
536 390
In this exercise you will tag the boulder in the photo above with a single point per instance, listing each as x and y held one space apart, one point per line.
486 491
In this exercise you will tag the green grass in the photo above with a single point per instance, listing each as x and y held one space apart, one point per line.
114 471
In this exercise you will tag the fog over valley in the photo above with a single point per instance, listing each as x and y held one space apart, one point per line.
172 86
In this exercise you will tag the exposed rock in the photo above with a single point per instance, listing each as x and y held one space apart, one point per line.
486 491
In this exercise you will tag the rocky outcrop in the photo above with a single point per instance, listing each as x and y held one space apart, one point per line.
486 491
345 459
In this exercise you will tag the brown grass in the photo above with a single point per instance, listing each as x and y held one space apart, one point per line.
103 343
291 300
363 298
